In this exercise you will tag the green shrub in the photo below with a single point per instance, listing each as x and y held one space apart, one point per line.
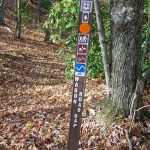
146 32
26 13
63 21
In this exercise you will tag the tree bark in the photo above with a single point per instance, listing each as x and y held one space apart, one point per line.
39 12
47 35
1 12
126 81
126 18
18 20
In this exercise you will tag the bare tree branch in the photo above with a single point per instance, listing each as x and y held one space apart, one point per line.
138 91
7 28
103 43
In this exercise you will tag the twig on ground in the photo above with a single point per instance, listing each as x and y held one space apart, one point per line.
7 28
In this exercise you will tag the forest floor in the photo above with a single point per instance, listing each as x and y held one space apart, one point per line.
35 101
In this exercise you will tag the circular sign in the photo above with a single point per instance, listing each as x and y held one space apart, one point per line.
84 28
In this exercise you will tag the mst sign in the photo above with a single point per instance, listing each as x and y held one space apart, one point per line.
85 23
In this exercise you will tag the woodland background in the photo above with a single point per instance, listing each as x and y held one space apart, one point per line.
36 72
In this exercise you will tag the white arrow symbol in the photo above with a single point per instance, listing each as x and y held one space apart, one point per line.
85 17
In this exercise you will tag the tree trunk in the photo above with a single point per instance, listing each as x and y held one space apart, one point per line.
1 13
126 20
47 35
39 12
18 20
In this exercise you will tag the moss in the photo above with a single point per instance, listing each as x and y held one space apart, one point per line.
107 113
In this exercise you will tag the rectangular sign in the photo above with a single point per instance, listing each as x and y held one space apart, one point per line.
85 17
82 48
80 69
86 6
85 23
83 39
81 58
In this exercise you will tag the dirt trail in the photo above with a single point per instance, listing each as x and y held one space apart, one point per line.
29 61
30 75
34 100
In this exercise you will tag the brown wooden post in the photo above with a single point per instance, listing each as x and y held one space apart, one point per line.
84 29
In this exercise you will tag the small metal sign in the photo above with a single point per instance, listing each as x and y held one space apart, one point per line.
83 39
85 17
85 23
81 58
82 48
86 6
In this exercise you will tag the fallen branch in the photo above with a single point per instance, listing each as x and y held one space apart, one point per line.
7 28
128 139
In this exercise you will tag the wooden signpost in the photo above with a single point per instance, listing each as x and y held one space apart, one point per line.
85 23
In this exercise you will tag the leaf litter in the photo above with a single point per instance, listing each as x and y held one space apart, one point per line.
35 102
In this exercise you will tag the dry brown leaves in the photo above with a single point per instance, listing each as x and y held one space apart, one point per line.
35 103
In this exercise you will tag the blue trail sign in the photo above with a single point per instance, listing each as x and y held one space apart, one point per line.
84 29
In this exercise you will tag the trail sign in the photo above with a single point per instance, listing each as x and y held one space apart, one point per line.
85 23
85 17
